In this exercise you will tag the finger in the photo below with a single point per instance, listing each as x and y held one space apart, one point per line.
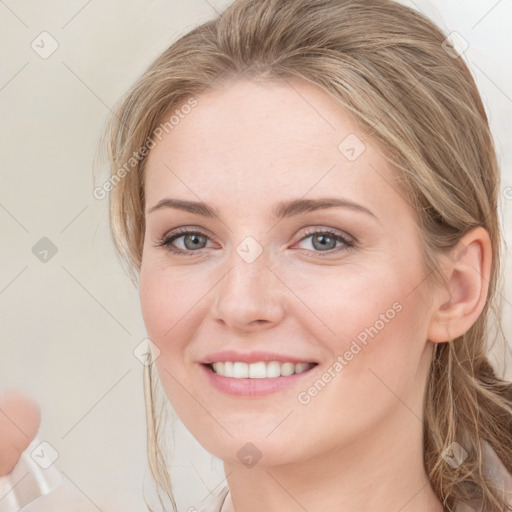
20 418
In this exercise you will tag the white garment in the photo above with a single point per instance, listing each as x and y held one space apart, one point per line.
493 468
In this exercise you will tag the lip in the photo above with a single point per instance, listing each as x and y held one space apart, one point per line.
252 357
253 387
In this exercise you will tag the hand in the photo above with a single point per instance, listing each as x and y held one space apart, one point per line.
20 418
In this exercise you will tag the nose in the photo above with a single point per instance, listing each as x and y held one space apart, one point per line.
250 297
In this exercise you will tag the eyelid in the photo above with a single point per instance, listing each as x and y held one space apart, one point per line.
312 230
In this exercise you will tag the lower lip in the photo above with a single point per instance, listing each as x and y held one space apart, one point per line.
252 387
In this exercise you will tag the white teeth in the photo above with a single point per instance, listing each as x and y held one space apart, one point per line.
273 369
228 369
240 370
287 369
259 370
301 367
218 368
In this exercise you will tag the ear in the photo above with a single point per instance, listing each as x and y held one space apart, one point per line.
467 271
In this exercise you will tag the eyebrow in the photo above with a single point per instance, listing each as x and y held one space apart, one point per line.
280 210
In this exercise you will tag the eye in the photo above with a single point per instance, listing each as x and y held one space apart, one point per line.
325 241
192 241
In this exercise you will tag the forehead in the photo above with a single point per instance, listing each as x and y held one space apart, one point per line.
250 142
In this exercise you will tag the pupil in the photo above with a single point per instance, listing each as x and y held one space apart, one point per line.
195 240
324 238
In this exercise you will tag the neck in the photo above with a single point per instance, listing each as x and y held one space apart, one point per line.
381 471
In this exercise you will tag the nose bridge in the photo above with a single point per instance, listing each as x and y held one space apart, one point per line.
249 292
247 279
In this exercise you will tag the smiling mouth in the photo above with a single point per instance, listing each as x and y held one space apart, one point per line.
258 370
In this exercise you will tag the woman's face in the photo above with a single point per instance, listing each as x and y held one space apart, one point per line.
282 277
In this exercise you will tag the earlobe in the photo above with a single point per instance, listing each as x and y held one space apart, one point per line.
468 269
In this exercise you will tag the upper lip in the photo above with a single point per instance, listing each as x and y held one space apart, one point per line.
252 357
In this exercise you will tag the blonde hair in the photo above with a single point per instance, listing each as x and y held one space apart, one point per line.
388 66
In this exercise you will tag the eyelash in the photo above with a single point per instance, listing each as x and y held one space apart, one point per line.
167 240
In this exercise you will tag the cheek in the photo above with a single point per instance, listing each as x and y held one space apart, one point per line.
348 301
172 312
167 300
153 300
377 350
373 326
170 298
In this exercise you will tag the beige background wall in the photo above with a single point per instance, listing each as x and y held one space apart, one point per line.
69 325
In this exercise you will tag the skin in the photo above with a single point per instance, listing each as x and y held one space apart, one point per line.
358 442
19 422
